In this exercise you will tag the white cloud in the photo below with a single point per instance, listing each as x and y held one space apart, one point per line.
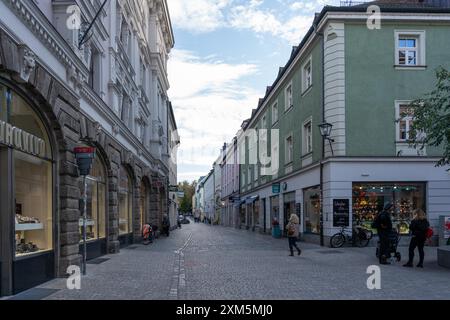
211 100
197 15
200 16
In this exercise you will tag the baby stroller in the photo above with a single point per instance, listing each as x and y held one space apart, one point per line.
147 234
394 239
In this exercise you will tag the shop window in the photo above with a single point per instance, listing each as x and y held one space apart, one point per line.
31 174
275 208
96 203
33 204
125 202
369 200
312 210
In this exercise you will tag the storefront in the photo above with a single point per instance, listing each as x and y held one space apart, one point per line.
125 195
370 198
27 184
311 198
143 206
274 209
96 210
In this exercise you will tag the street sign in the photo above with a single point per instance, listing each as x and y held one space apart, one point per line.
276 187
341 212
180 194
173 188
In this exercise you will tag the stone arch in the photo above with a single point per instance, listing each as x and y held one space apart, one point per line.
59 111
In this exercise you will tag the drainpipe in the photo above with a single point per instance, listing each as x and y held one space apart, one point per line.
322 156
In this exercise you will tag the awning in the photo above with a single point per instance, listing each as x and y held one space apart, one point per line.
251 199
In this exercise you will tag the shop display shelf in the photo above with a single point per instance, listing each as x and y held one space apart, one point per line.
29 226
89 223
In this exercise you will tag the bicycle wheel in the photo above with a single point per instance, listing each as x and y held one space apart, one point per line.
337 240
362 240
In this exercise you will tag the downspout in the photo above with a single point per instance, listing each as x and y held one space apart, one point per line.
321 35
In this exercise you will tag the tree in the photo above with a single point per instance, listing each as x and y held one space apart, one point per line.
189 190
431 118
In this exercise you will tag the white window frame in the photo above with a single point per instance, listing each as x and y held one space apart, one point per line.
420 35
288 104
289 150
307 147
408 120
275 119
305 83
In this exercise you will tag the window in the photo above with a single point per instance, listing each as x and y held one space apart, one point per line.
307 137
289 145
307 75
312 210
95 71
96 202
125 202
410 48
288 96
369 200
264 123
249 174
275 113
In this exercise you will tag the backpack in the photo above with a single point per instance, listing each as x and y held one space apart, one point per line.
291 229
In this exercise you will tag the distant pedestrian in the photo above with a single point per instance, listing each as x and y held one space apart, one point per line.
383 224
418 229
166 225
293 232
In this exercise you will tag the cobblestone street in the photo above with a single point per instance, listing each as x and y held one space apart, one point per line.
210 262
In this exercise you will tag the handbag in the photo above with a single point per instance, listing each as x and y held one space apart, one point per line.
291 230
429 233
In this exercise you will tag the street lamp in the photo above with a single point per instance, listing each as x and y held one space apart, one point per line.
325 132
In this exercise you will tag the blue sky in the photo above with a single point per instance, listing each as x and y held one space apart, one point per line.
226 53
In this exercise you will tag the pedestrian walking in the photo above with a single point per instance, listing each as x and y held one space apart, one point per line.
418 228
166 225
293 231
383 224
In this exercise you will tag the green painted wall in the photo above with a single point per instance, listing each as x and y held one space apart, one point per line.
291 121
373 84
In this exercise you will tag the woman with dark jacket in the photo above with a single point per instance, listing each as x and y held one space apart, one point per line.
418 229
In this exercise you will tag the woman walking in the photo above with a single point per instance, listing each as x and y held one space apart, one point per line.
418 228
293 233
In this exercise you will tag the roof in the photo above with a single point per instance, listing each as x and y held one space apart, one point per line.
393 6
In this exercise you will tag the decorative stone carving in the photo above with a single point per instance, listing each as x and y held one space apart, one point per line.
115 129
27 62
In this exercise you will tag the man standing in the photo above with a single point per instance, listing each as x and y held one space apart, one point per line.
166 225
383 224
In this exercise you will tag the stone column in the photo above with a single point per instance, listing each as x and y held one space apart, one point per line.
137 235
113 211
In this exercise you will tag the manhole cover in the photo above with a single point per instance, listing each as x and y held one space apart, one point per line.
330 252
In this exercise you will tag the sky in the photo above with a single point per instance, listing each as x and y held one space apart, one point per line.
226 53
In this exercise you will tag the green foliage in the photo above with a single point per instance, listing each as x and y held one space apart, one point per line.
189 190
431 118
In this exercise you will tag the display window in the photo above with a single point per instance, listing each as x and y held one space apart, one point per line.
242 213
33 204
289 206
256 213
24 133
143 203
125 202
369 200
312 210
275 208
96 202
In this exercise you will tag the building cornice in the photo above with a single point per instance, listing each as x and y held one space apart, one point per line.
37 22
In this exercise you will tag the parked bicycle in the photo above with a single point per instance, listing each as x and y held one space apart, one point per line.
358 236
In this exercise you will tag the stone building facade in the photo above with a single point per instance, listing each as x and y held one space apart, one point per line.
110 93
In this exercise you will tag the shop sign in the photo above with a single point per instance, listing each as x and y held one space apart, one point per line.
21 139
276 187
173 188
447 228
180 194
341 212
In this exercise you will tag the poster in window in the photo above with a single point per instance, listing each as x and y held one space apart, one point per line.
341 212
447 228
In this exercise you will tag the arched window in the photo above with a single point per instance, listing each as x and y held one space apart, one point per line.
96 202
125 202
29 173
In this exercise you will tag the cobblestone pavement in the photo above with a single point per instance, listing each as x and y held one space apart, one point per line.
211 262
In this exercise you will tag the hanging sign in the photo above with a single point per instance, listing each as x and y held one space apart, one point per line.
84 156
21 140
341 212
276 187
